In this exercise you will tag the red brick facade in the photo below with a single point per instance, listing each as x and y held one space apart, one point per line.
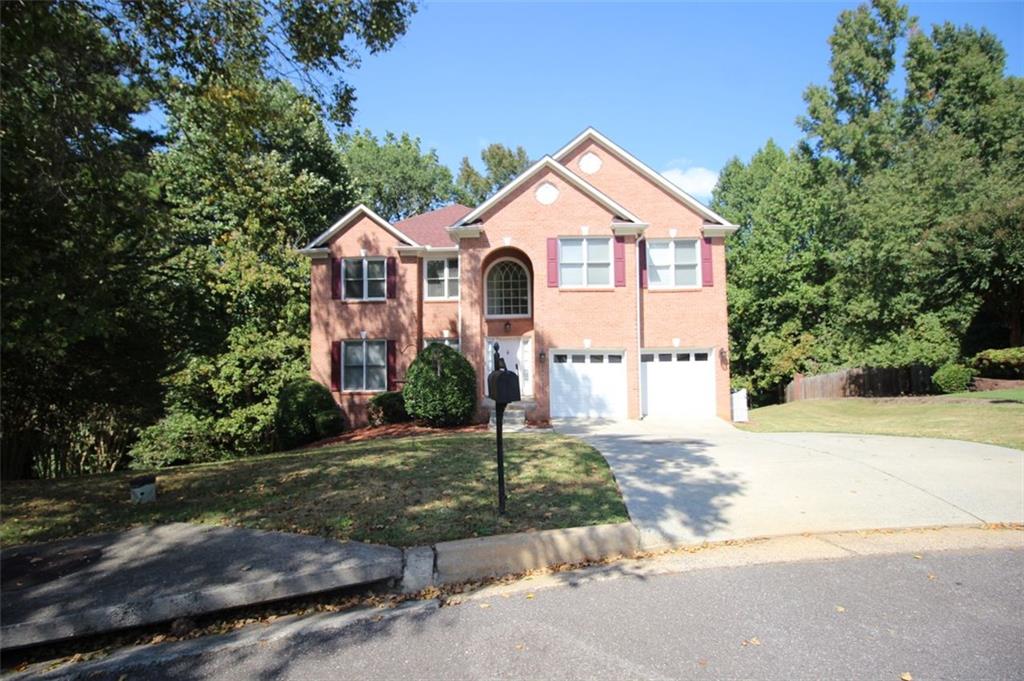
518 225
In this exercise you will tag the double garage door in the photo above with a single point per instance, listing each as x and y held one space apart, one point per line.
592 384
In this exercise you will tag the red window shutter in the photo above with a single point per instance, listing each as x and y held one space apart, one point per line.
642 247
620 261
392 363
336 366
336 278
392 276
553 263
705 262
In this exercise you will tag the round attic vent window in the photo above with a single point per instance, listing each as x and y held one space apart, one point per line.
546 193
590 163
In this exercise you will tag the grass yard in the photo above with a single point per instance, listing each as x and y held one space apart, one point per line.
402 491
998 420
1009 394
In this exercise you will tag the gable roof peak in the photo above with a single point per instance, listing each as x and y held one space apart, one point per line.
592 134
549 163
361 210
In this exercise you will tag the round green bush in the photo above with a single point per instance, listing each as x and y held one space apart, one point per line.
387 407
328 423
952 378
440 387
299 417
1006 363
178 438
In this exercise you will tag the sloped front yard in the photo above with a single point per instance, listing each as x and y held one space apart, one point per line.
993 418
403 491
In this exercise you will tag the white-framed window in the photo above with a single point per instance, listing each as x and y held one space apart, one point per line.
453 343
364 365
585 262
441 278
673 263
364 278
508 290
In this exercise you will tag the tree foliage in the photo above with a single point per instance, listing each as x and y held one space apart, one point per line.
84 334
394 176
892 234
501 166
190 45
144 275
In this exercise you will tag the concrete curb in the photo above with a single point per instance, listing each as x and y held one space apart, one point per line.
466 559
214 599
152 655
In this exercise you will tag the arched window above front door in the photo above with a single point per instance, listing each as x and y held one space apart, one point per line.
508 290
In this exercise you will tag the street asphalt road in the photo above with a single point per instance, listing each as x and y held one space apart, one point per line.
946 615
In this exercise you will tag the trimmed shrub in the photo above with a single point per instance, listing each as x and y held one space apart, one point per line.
176 439
1006 363
952 378
300 419
387 407
328 422
440 387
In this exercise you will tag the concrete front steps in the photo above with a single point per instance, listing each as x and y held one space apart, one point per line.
515 415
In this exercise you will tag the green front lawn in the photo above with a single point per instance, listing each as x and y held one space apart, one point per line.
998 421
403 491
1011 394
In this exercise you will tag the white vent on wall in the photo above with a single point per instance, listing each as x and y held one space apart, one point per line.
546 193
590 163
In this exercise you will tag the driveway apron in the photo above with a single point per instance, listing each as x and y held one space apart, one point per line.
690 482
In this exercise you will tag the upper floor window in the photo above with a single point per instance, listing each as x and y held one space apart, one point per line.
585 262
442 278
508 290
365 278
673 263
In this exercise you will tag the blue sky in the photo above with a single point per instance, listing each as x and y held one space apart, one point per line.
682 86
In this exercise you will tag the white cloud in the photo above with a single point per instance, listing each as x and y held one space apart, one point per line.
696 181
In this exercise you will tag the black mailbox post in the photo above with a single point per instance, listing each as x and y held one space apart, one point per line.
502 387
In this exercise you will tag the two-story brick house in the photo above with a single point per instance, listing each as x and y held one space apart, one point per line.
602 283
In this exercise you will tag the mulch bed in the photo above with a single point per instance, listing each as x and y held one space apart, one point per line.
996 384
393 430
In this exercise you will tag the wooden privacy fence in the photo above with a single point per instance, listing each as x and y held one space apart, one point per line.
861 382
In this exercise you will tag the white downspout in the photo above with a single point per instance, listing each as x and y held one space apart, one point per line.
462 347
639 364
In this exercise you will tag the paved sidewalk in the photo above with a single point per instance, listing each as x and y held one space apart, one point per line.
151 574
685 483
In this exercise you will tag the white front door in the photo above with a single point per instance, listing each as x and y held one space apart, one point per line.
677 383
518 355
588 384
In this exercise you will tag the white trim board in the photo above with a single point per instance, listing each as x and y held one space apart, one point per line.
645 170
548 163
349 217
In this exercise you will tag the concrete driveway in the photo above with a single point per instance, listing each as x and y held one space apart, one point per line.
685 483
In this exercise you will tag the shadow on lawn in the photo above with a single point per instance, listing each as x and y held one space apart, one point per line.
411 491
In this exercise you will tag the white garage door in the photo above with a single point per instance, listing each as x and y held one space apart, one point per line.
679 384
587 383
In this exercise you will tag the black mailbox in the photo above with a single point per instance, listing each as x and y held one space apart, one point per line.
503 386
